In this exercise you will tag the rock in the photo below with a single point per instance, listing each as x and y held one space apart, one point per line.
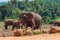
52 30
37 30
58 31
18 32
44 31
28 31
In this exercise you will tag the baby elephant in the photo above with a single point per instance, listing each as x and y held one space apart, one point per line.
57 24
8 23
16 24
13 23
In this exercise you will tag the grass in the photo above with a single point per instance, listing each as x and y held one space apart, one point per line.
1 25
36 33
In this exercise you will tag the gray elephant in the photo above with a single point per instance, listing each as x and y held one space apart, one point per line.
31 19
57 23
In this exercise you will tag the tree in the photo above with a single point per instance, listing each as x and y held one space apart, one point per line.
3 10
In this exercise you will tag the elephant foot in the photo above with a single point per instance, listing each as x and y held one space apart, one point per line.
36 28
6 28
12 28
18 27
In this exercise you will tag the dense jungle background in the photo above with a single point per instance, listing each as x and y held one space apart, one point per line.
48 9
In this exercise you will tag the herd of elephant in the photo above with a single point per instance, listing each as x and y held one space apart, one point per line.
26 19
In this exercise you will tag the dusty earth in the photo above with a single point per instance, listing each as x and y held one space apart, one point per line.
55 36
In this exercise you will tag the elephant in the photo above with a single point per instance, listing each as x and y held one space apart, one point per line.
8 23
31 19
14 24
57 24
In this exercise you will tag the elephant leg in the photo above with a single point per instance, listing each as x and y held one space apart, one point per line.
17 27
5 27
13 27
38 26
33 24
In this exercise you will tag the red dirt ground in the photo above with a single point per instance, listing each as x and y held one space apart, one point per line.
55 36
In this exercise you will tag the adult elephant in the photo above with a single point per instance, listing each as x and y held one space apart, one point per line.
31 19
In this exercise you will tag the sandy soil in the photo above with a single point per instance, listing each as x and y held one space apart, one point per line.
55 36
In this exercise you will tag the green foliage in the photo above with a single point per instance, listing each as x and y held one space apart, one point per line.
48 9
36 33
57 19
0 16
16 12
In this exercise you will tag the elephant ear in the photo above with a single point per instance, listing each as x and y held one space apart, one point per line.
30 16
23 14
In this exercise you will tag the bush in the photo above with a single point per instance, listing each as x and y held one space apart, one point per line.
36 32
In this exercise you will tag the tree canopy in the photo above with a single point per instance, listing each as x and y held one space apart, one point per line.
48 9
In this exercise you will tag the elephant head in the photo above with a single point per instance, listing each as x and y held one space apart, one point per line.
26 17
31 19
